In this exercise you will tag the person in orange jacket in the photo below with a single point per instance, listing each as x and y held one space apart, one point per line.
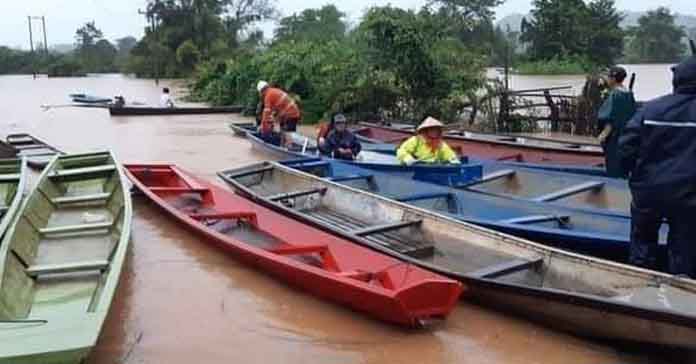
278 107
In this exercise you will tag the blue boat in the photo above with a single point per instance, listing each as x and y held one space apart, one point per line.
574 229
597 195
89 99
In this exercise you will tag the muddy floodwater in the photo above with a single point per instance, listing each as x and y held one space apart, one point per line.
181 301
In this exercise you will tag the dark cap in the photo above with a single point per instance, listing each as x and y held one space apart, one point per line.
617 73
339 118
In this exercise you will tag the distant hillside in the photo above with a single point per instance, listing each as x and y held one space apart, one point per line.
63 48
687 21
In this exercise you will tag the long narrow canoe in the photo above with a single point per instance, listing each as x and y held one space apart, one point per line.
304 256
37 152
580 294
143 111
593 194
491 147
13 180
578 230
89 99
61 260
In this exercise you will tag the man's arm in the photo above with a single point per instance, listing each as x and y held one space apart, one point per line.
629 143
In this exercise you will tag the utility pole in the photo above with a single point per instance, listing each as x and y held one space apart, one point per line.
31 39
43 23
31 47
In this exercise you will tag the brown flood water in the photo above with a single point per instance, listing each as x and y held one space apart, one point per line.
181 301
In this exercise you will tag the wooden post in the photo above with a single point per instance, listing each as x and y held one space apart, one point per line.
554 111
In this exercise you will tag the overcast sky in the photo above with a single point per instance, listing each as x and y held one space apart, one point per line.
118 18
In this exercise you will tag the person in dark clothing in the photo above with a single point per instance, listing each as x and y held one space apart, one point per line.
341 143
617 109
658 149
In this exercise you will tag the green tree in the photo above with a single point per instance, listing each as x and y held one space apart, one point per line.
188 55
321 24
556 29
656 38
606 38
87 35
93 52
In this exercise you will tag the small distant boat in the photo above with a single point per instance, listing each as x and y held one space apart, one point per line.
37 152
144 111
13 180
495 147
323 264
89 99
61 260
570 292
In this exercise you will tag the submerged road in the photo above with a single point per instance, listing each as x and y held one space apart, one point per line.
181 301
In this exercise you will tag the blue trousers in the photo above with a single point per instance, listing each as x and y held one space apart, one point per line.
646 220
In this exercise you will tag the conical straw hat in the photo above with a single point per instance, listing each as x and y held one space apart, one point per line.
430 122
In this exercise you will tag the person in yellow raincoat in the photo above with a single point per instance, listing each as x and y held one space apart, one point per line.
427 146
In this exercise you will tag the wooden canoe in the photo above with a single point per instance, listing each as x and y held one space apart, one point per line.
144 111
493 147
13 180
571 292
323 264
89 99
592 194
37 152
61 260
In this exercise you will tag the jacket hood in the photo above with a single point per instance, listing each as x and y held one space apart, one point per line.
684 80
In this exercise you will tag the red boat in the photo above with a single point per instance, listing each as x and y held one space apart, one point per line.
496 147
316 261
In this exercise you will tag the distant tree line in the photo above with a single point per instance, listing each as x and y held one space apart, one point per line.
92 54
576 36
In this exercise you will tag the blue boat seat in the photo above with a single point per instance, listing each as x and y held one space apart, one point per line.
572 190
351 177
535 219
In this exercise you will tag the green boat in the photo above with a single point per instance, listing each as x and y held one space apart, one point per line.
61 259
13 178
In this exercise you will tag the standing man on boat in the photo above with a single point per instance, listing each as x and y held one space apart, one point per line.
341 143
617 109
427 146
658 149
278 107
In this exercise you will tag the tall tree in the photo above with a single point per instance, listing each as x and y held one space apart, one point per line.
556 29
606 38
87 35
657 38
321 24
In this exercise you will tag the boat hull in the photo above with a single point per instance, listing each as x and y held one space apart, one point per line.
61 261
491 149
559 297
144 111
37 152
423 296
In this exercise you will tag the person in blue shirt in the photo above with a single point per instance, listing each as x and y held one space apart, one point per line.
341 143
617 109
658 149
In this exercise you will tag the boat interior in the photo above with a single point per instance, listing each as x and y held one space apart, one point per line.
56 258
460 249
198 202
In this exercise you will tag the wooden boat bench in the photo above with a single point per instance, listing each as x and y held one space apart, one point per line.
73 229
288 195
9 178
505 268
248 173
506 173
352 177
572 190
535 219
82 173
328 261
377 229
77 267
250 217
96 197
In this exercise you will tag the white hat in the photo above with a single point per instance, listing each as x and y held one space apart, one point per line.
430 122
261 85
